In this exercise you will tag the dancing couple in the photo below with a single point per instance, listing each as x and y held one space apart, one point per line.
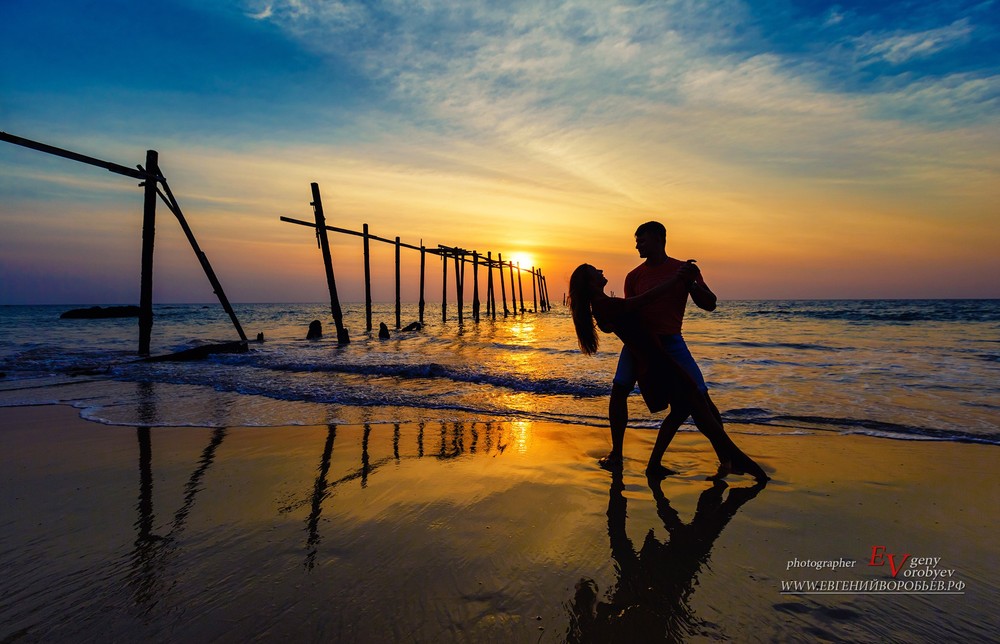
648 321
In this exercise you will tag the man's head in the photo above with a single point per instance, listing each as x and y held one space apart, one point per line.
651 239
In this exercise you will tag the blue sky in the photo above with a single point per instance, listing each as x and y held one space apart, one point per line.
797 148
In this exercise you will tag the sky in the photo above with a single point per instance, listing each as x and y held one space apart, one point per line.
795 149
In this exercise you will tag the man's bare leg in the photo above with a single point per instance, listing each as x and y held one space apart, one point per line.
668 429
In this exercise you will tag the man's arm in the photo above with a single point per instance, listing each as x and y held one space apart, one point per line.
703 296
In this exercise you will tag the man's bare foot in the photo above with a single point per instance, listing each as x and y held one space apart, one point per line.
656 471
748 466
725 469
612 462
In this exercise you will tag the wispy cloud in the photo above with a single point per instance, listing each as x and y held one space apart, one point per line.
897 47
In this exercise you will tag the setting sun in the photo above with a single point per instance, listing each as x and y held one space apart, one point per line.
523 260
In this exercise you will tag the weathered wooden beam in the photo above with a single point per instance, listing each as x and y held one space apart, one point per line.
146 262
368 278
142 175
331 282
174 207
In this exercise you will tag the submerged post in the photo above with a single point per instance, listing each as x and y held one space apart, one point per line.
324 242
148 234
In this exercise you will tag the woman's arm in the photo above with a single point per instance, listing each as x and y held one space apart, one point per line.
685 275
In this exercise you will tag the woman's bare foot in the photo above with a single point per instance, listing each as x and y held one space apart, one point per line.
656 471
612 462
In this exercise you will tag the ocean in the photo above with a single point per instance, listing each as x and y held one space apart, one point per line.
893 369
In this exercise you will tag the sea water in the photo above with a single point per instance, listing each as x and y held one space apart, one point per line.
897 369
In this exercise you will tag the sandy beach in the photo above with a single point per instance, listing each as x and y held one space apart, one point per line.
483 532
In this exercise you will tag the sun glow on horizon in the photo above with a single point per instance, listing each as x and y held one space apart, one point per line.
524 260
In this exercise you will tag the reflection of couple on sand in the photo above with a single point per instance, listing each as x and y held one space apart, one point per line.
648 322
650 600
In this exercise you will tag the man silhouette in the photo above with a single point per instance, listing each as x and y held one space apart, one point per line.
664 319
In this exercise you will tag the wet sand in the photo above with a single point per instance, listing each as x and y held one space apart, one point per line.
479 532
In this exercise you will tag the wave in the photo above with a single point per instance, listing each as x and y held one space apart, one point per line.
878 428
884 311
434 370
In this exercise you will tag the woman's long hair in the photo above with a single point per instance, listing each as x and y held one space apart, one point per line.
580 297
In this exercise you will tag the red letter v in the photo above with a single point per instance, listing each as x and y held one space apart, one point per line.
892 563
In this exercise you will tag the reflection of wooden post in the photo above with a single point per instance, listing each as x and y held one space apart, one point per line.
148 234
475 286
368 279
324 243
520 288
145 522
444 286
503 288
397 284
423 260
534 290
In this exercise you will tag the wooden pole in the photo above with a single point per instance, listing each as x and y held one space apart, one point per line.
148 235
475 286
368 279
513 293
398 325
534 290
175 208
423 263
541 290
459 284
520 288
491 296
503 288
338 317
444 286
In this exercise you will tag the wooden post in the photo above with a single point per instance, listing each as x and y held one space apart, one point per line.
324 242
503 288
534 290
541 291
491 296
444 286
459 283
368 278
423 260
203 259
475 286
398 325
148 234
520 288
513 293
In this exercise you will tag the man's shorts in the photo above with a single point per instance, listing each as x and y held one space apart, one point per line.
674 345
